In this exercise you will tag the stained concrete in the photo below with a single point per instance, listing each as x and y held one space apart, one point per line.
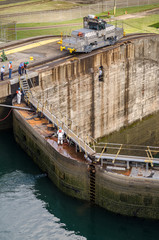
129 92
126 195
72 90
5 122
68 173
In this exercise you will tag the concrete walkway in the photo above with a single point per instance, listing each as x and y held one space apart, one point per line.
39 50
30 46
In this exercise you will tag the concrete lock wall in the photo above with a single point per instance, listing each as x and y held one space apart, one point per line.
127 195
117 193
5 98
7 92
145 132
69 175
129 92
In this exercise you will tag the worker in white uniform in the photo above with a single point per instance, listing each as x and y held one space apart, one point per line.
60 134
100 74
18 96
2 72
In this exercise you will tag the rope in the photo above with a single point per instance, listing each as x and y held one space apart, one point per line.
6 116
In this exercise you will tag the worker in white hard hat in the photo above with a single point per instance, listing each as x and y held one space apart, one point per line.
18 96
2 72
60 134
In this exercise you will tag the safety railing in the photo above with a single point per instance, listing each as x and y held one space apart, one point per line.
102 152
114 152
58 123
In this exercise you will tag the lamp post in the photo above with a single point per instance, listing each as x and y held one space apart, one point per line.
114 7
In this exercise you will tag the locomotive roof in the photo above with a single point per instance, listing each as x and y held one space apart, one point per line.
92 18
82 30
87 31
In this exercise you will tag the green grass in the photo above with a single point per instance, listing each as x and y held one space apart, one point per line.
18 3
54 31
141 25
34 6
130 10
78 20
144 24
155 25
44 5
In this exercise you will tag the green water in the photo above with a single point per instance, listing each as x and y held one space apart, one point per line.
32 208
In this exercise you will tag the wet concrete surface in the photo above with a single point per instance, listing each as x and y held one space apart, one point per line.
43 127
49 133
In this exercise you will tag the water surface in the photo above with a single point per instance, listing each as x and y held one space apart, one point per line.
32 208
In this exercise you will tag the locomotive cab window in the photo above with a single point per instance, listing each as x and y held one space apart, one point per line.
93 25
102 26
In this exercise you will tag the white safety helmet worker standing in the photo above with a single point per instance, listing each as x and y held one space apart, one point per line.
100 72
60 134
18 96
2 72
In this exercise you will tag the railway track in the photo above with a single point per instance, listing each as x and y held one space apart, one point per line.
52 61
127 39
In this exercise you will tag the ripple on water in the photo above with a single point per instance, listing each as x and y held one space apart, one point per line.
23 216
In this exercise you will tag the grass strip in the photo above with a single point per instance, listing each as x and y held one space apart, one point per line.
145 24
31 6
78 20
54 31
130 10
120 11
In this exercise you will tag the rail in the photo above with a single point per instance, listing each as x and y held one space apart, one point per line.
99 157
110 152
53 60
52 118
102 153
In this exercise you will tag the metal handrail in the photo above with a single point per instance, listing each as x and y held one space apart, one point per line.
59 123
75 137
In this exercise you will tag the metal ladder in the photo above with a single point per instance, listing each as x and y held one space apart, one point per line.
92 182
25 87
